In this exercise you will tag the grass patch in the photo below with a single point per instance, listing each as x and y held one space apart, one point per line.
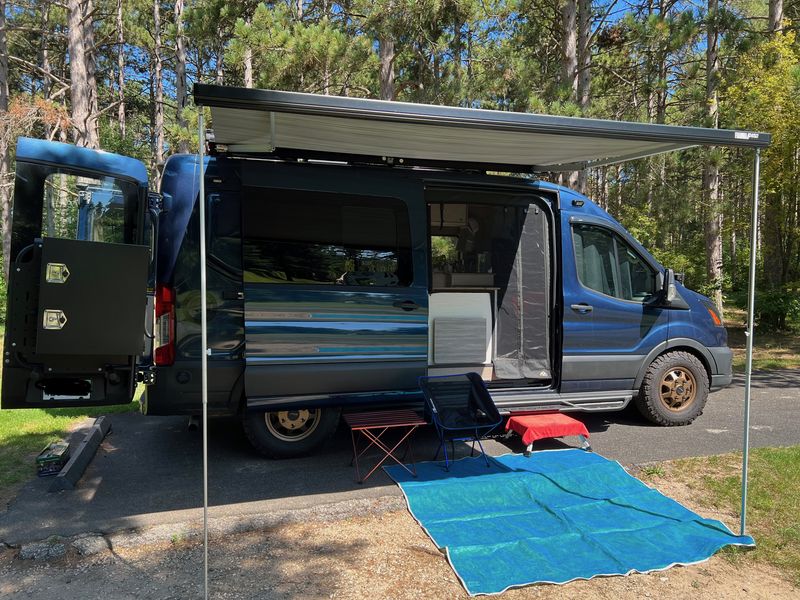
773 513
771 349
651 471
24 432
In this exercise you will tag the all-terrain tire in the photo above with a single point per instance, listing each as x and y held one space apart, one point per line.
267 439
674 389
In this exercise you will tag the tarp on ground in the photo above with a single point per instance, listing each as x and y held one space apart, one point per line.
552 518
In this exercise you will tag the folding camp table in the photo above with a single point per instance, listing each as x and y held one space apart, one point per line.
372 426
546 425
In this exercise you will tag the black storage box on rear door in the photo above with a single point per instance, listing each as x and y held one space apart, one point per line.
90 298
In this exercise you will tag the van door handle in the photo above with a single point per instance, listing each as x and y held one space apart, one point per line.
406 305
582 307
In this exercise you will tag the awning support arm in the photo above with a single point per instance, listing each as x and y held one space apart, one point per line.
201 138
751 301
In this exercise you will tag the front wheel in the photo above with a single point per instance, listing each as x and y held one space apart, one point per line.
674 389
290 433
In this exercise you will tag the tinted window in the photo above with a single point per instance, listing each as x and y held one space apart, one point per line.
87 208
607 264
322 238
225 225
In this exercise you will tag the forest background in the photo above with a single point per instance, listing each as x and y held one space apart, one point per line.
117 75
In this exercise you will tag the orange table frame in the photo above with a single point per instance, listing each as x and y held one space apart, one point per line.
372 426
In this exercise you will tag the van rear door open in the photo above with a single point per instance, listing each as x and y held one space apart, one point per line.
78 276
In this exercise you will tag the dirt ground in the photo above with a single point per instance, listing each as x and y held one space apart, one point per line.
383 555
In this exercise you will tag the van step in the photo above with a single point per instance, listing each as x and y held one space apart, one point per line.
520 400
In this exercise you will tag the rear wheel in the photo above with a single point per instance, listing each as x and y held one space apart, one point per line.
289 433
674 389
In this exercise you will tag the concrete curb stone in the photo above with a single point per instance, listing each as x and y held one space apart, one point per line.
69 475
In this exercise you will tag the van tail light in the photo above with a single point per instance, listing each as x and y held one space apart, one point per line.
165 326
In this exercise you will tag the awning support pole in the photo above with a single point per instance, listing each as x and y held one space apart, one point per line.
203 342
751 302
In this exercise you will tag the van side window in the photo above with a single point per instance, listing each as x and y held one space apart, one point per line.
225 225
607 264
305 237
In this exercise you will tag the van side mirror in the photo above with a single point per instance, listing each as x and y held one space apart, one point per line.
668 289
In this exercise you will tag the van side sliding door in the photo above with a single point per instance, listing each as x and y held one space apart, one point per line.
333 303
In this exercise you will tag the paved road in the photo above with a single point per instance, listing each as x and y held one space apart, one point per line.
148 470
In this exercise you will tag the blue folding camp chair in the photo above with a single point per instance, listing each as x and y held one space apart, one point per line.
461 409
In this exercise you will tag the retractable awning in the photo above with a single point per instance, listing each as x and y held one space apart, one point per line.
250 121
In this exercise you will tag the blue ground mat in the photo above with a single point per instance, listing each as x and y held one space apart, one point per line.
557 516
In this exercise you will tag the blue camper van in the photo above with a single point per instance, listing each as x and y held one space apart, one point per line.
334 282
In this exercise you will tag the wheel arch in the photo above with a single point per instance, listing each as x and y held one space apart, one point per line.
678 344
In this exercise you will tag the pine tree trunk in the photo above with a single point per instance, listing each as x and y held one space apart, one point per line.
569 67
713 223
91 75
468 87
158 107
3 61
386 53
247 59
78 75
44 54
775 15
661 91
121 69
584 89
220 60
458 48
5 141
584 83
569 64
180 75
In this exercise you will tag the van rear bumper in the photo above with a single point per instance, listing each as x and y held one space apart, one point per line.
723 357
176 390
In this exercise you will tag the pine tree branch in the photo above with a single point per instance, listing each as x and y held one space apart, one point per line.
37 68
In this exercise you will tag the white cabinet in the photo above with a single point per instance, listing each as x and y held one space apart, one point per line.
448 215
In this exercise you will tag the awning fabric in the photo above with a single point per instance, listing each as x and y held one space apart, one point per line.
260 122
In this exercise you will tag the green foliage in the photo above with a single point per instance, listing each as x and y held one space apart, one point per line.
318 57
443 251
776 307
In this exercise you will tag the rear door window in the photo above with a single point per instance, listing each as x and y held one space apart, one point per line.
93 209
299 237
